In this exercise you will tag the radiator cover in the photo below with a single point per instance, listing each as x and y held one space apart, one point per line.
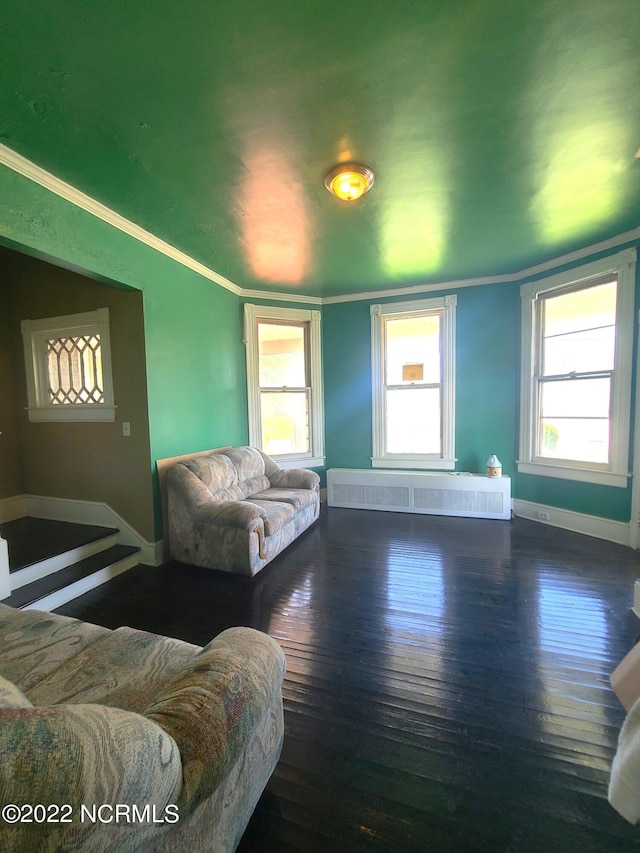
425 492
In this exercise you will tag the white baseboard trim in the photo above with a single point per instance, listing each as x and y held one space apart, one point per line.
81 512
578 522
12 508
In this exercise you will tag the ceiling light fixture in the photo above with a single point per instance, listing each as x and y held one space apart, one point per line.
349 181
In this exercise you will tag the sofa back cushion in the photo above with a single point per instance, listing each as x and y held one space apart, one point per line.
36 643
233 475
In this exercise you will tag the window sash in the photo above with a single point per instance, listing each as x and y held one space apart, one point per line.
619 268
309 321
441 457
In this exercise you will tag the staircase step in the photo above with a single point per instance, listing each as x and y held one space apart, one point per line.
34 540
56 589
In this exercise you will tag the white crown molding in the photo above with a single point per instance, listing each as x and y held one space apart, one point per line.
506 278
282 297
418 289
17 163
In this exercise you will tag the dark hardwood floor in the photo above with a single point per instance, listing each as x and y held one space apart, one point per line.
447 680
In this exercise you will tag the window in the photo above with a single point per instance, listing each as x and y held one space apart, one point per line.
68 364
284 381
413 376
577 336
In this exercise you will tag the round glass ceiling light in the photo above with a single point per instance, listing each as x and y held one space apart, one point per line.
349 181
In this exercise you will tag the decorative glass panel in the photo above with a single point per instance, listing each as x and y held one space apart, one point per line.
413 420
285 422
413 341
282 356
74 370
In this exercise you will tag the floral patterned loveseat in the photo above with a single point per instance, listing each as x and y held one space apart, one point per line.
236 509
127 741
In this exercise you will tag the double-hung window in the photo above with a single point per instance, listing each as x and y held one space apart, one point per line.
577 334
413 381
284 381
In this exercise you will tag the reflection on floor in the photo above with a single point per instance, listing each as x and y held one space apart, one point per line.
447 680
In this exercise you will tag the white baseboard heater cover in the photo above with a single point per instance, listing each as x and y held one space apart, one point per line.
425 492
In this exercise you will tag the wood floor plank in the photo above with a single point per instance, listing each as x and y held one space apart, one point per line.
447 680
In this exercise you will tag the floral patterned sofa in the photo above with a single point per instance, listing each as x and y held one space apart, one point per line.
236 509
127 741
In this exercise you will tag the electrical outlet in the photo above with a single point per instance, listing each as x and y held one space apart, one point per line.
543 516
126 428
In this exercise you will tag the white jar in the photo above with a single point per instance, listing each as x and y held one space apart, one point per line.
494 466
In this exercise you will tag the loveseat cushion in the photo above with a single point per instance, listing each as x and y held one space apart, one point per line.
275 514
216 471
298 498
230 477
11 696
248 462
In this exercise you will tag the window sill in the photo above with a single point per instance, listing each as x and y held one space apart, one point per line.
300 461
97 413
413 462
579 475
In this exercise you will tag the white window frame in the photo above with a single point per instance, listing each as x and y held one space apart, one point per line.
35 334
616 472
253 315
445 306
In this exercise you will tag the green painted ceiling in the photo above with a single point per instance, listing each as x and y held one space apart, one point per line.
502 132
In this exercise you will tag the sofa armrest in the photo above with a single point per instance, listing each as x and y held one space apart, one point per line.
243 515
294 478
81 755
212 708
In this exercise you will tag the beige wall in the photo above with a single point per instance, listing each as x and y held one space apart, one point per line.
10 481
84 461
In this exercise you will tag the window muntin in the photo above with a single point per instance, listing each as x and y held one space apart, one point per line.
576 369
284 383
413 354
68 364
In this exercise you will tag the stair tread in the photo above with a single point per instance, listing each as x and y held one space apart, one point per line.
31 592
31 540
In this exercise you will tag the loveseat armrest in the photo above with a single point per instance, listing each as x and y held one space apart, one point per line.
243 515
215 705
294 478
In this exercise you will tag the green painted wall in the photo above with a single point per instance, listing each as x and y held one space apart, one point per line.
195 358
487 396
486 368
193 329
